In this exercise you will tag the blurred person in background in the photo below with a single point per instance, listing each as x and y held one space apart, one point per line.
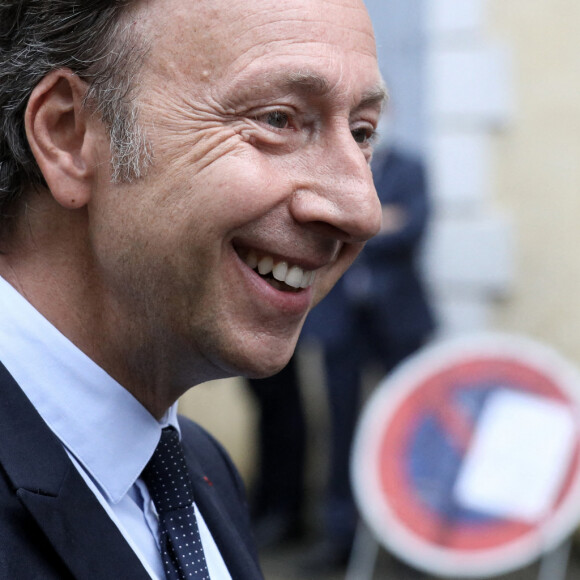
379 314
277 498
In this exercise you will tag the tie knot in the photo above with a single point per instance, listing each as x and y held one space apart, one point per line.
166 474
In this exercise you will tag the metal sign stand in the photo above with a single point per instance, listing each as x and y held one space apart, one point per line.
554 564
363 558
365 550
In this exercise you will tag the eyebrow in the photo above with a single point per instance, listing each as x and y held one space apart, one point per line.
378 95
313 84
308 82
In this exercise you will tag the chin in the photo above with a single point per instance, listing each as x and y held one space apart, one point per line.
267 367
264 374
259 363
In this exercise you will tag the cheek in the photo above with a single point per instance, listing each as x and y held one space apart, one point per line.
244 187
218 174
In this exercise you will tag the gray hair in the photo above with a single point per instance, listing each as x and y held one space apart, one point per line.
94 39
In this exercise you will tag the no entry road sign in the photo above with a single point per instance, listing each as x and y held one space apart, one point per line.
466 460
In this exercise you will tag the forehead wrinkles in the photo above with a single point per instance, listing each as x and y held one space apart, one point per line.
236 28
312 31
238 12
334 48
204 40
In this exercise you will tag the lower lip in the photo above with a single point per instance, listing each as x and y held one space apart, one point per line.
288 303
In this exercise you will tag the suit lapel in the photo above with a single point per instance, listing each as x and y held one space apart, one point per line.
56 496
233 548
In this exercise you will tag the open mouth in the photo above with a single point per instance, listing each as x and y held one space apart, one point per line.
279 274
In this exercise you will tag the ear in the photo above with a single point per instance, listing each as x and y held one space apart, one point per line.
60 137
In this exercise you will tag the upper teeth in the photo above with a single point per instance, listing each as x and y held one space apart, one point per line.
293 276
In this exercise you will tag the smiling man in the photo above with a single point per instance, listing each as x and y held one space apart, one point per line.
180 182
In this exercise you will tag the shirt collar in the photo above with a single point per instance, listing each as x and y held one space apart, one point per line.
107 430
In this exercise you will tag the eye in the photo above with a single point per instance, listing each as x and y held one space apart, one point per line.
364 134
277 119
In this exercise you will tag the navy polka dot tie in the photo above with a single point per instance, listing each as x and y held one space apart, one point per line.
168 481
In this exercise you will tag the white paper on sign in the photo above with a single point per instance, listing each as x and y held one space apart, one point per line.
518 457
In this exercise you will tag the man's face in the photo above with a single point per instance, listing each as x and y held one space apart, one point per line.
259 116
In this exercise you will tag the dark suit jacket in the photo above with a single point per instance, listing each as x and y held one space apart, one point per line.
52 526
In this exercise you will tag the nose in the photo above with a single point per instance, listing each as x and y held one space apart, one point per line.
337 194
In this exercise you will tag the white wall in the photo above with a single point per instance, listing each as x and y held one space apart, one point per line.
469 252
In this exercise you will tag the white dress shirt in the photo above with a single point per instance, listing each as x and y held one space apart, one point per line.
107 433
